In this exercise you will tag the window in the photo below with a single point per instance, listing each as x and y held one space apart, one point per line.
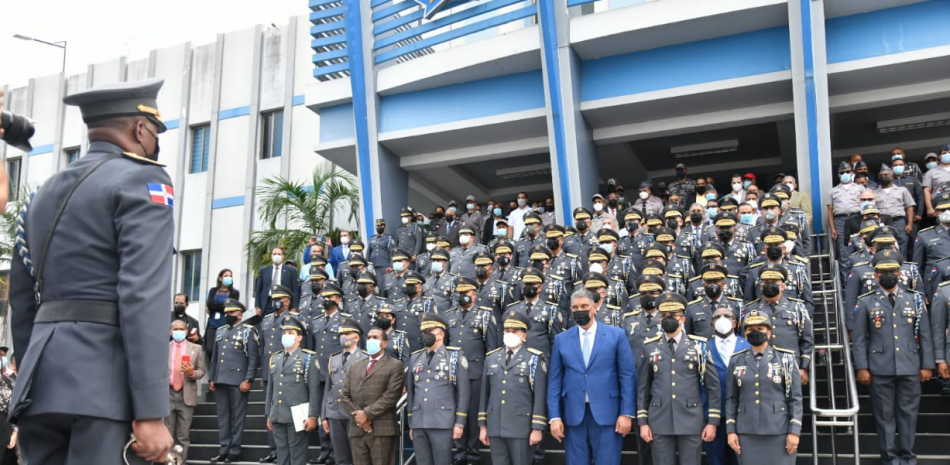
13 172
191 282
72 154
272 134
200 145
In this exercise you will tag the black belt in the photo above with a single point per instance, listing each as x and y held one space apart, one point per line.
845 215
88 311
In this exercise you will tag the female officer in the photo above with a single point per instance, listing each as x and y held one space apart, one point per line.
764 406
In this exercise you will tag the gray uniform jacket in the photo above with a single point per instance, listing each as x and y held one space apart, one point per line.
294 380
524 245
366 311
639 328
797 285
792 328
324 336
861 280
393 285
398 346
893 341
938 320
765 397
409 317
236 355
671 386
380 250
462 259
270 339
441 289
546 322
931 245
332 408
514 395
697 287
411 238
438 390
476 333
116 242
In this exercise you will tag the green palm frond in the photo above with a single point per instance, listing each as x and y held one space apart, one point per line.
8 221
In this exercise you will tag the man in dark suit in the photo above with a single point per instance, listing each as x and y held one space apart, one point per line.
450 228
723 344
340 253
278 273
370 392
591 386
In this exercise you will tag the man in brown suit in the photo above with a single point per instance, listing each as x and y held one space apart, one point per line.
183 376
372 388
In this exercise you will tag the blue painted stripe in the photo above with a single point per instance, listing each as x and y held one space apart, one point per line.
330 40
323 70
748 54
811 112
354 44
386 26
552 63
316 3
326 13
329 55
579 2
227 202
393 9
298 100
39 150
172 124
442 22
326 27
234 112
884 32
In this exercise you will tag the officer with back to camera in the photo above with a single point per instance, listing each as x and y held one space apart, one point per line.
119 232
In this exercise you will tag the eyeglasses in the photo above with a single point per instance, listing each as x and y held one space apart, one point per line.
716 317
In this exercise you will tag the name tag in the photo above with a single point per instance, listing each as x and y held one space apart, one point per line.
217 315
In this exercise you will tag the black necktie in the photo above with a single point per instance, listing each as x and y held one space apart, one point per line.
649 319
891 299
345 356
758 356
672 343
528 308
508 359
429 355
772 306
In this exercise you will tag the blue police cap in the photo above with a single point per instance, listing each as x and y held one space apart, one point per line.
844 166
137 98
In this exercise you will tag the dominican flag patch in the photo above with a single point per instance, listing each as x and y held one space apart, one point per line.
162 193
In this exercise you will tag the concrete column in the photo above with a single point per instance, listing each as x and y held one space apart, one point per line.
574 163
212 156
59 158
250 173
806 25
178 177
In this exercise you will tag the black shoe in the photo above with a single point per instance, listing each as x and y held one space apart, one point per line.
945 391
220 458
460 461
538 462
272 458
321 460
232 458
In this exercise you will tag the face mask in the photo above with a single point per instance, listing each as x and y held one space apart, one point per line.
700 190
711 212
450 217
522 202
227 281
553 243
695 217
429 247
713 290
277 258
746 218
344 240
757 338
581 317
771 290
945 158
231 319
405 220
497 211
884 180
670 325
866 204
465 300
723 327
288 340
931 165
899 170
153 156
725 235
383 324
437 267
531 231
845 177
537 264
177 334
399 266
773 252
790 246
346 342
362 290
612 203
736 187
549 208
373 346
278 305
752 203
607 247
179 309
648 302
582 225
672 223
316 287
770 215
470 206
428 339
889 280
746 184
504 261
644 195
944 217
481 272
598 207
329 304
512 340
710 196
464 239
530 291
681 174
632 226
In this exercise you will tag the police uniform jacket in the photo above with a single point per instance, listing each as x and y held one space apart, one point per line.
893 341
640 326
697 288
424 264
633 247
437 390
323 333
463 259
441 289
679 270
379 251
294 379
494 295
648 206
792 328
236 355
938 321
739 255
931 245
411 238
524 245
514 394
332 408
367 310
310 304
798 283
671 386
699 314
409 317
803 235
861 281
271 332
476 332
609 314
546 322
398 346
765 397
394 285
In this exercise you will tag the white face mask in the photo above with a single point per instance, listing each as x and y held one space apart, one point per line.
429 247
791 186
736 186
522 202
598 207
464 239
644 195
344 240
789 247
596 268
277 258
405 220
753 203
724 326
512 340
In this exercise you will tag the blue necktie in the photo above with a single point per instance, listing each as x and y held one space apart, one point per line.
586 347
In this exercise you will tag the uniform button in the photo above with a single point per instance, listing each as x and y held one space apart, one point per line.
503 391
756 375
756 392
503 402
222 360
674 384
503 381
895 326
898 349
426 389
674 396
674 372
674 360
757 401
281 384
756 384
280 402
895 338
426 399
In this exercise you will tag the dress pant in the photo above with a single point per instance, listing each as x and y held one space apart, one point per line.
899 224
374 450
466 448
510 451
271 442
842 242
589 440
58 439
669 449
433 446
326 444
178 421
718 452
339 434
231 405
896 402
291 444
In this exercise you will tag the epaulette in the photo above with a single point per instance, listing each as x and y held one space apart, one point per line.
941 259
739 352
695 301
861 264
492 351
637 295
353 300
783 350
732 276
801 258
943 283
914 291
482 307
364 351
793 299
378 297
570 255
756 265
452 348
637 312
613 307
248 326
336 353
866 294
141 159
416 352
535 351
695 278
554 303
274 355
697 338
400 299
754 301
925 229
557 277
308 351
652 339
514 303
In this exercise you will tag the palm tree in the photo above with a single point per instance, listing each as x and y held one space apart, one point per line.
307 208
7 252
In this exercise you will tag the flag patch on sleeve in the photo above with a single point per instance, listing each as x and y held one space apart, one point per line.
161 193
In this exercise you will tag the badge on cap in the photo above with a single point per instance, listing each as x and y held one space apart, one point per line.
162 194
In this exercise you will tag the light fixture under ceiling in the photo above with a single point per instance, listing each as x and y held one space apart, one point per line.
914 122
708 148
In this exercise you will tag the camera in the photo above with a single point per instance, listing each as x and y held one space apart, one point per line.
17 130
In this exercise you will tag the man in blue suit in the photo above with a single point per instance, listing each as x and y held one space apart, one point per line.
278 273
723 344
591 386
340 253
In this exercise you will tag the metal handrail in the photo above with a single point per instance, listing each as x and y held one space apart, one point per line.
836 416
400 413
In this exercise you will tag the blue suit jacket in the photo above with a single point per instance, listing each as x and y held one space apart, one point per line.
722 368
336 257
609 380
288 279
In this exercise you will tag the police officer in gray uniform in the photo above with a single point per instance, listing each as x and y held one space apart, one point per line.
893 353
699 312
475 330
294 379
271 331
398 347
366 307
409 311
862 279
576 243
423 262
336 420
532 238
897 202
440 285
437 394
118 231
640 324
798 281
546 319
393 282
380 248
512 413
311 303
677 371
234 363
324 338
933 243
409 236
844 203
764 405
462 258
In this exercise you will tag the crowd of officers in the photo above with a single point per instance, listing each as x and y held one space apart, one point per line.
715 269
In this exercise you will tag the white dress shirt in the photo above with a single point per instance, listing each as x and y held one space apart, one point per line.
516 221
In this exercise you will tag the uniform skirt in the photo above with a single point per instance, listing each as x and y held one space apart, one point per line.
770 449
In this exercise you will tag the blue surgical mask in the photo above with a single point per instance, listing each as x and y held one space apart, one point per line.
746 184
845 177
747 218
711 212
436 267
945 158
177 334
497 211
899 170
866 204
228 281
373 346
399 266
288 340
607 247
710 196
931 165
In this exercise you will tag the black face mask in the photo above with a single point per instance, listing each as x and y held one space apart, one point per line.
553 243
504 261
278 305
481 272
179 309
439 215
316 287
725 235
449 218
771 290
465 300
884 180
757 338
713 290
773 252
354 273
380 229
701 190
581 317
428 339
329 304
538 265
231 319
549 208
410 291
648 302
651 229
362 290
889 280
153 156
582 225
530 291
384 323
670 324
672 223
612 203
695 217
632 226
